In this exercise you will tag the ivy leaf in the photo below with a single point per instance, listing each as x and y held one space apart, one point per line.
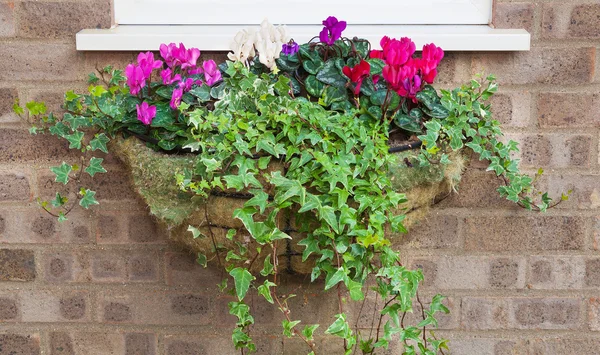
61 217
242 279
62 172
195 232
339 327
95 166
75 121
267 266
88 199
260 200
311 245
355 289
265 291
338 276
74 140
288 327
97 90
202 259
309 330
59 200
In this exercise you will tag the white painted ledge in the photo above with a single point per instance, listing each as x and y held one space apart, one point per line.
218 37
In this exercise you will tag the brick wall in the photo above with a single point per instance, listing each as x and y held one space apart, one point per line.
107 282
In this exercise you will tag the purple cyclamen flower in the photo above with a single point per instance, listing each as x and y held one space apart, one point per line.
212 74
176 97
168 78
186 85
290 48
332 31
136 79
145 113
147 63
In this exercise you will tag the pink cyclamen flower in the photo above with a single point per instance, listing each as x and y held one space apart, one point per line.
176 97
212 74
168 78
145 113
136 79
147 63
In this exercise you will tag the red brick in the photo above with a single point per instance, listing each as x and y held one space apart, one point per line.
111 186
512 109
9 308
62 267
122 227
585 190
594 313
556 272
184 271
568 20
140 344
521 313
52 61
20 146
17 265
60 19
524 233
14 187
568 109
7 99
26 344
478 188
436 232
7 21
514 15
547 313
485 272
554 150
539 66
164 308
55 306
36 226
62 343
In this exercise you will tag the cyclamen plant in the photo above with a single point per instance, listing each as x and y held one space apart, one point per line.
326 110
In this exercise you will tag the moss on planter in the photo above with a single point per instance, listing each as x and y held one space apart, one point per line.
153 176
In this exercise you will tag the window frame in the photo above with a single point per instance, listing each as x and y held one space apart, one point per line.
303 12
455 25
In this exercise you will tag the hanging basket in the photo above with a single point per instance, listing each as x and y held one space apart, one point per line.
153 176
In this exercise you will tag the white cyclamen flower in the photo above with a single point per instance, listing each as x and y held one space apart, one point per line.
242 46
268 42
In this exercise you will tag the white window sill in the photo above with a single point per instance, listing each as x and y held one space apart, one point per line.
218 37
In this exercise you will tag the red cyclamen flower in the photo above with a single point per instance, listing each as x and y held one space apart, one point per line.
145 113
357 74
394 52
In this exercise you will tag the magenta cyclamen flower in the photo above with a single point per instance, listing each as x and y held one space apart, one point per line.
332 31
147 63
168 78
176 97
212 74
290 48
145 113
179 56
136 79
